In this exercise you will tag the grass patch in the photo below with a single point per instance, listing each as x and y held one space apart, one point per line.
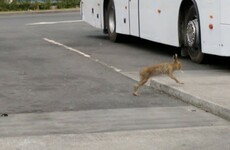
24 5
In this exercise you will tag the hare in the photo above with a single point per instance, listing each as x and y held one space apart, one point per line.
157 69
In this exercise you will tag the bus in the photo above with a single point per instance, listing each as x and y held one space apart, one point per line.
197 27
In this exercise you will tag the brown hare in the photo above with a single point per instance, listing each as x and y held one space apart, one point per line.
157 69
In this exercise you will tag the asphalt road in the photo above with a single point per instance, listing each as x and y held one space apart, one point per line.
39 76
55 63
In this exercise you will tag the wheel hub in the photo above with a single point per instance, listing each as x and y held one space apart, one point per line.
192 33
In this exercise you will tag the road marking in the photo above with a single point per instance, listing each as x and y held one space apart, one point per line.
106 65
67 47
57 22
83 54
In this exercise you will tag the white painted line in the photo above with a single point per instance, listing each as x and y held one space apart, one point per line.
106 65
83 54
57 22
67 47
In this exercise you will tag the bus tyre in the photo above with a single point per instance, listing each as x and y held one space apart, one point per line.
111 22
192 35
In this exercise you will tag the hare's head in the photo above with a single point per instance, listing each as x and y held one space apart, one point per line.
176 62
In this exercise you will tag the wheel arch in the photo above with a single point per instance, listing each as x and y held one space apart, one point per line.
185 4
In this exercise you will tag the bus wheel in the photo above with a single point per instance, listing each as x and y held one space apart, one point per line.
111 22
192 36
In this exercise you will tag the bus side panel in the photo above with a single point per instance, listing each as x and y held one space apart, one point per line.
159 21
225 7
91 12
225 40
225 27
209 11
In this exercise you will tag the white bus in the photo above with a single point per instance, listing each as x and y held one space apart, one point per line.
199 27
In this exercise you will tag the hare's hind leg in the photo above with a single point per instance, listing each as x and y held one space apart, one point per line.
140 83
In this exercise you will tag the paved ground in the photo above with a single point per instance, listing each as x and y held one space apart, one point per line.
182 138
205 89
58 98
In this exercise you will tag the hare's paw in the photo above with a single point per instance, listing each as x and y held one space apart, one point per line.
135 94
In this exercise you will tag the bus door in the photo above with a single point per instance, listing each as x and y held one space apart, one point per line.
127 14
134 17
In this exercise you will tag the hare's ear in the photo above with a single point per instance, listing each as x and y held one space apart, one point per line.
175 57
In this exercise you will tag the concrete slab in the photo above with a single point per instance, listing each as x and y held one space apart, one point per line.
202 138
106 120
